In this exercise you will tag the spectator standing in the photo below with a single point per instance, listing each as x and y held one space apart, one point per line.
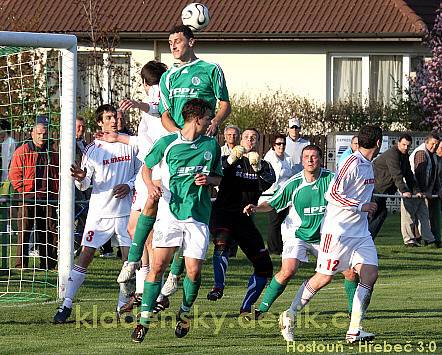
294 143
284 169
7 148
80 214
231 137
354 145
416 212
34 177
435 217
80 142
121 123
392 172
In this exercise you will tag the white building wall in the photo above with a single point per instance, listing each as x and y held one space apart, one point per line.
254 68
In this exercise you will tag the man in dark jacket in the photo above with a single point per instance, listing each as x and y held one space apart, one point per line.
34 176
390 169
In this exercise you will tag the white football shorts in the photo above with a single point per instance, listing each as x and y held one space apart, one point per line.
339 253
295 248
98 231
141 193
169 232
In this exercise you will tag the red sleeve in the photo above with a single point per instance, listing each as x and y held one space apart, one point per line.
16 170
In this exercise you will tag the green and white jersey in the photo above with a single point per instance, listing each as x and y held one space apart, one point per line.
180 160
307 205
197 79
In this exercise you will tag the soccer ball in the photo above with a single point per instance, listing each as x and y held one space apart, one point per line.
196 16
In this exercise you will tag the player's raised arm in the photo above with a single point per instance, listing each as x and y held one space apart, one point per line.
220 117
127 104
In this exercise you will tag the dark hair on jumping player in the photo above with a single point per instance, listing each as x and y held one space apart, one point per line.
369 135
152 71
187 32
195 108
102 109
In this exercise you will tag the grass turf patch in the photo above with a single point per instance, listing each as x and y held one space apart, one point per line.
406 309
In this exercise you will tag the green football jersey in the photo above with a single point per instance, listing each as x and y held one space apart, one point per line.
307 205
197 79
180 160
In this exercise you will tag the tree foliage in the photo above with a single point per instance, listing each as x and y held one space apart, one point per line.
427 86
270 114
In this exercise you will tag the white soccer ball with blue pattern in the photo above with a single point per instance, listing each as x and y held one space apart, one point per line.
196 16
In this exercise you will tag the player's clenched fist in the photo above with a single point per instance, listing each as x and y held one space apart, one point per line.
236 153
255 161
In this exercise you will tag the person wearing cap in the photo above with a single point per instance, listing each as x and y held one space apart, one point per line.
294 143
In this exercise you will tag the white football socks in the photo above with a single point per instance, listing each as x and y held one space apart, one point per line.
304 295
140 276
75 280
361 300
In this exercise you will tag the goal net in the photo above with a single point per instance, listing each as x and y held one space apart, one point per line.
37 142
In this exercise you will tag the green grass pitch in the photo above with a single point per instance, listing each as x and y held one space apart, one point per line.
405 313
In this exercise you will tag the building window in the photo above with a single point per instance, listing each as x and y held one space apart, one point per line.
102 79
347 79
385 77
89 79
119 77
366 78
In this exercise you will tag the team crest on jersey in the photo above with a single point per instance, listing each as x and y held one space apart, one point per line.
207 155
157 235
196 80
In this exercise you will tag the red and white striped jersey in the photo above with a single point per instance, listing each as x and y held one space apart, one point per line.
108 165
351 188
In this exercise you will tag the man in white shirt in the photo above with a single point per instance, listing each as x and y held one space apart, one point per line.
231 137
294 143
112 167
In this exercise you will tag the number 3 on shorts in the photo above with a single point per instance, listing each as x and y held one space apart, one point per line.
90 235
331 262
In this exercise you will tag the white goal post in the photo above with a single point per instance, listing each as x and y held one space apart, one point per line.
68 47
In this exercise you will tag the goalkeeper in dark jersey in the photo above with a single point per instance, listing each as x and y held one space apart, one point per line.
246 176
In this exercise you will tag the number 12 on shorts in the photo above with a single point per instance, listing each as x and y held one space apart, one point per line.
332 264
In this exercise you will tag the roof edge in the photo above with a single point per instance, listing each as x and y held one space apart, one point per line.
329 36
407 11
